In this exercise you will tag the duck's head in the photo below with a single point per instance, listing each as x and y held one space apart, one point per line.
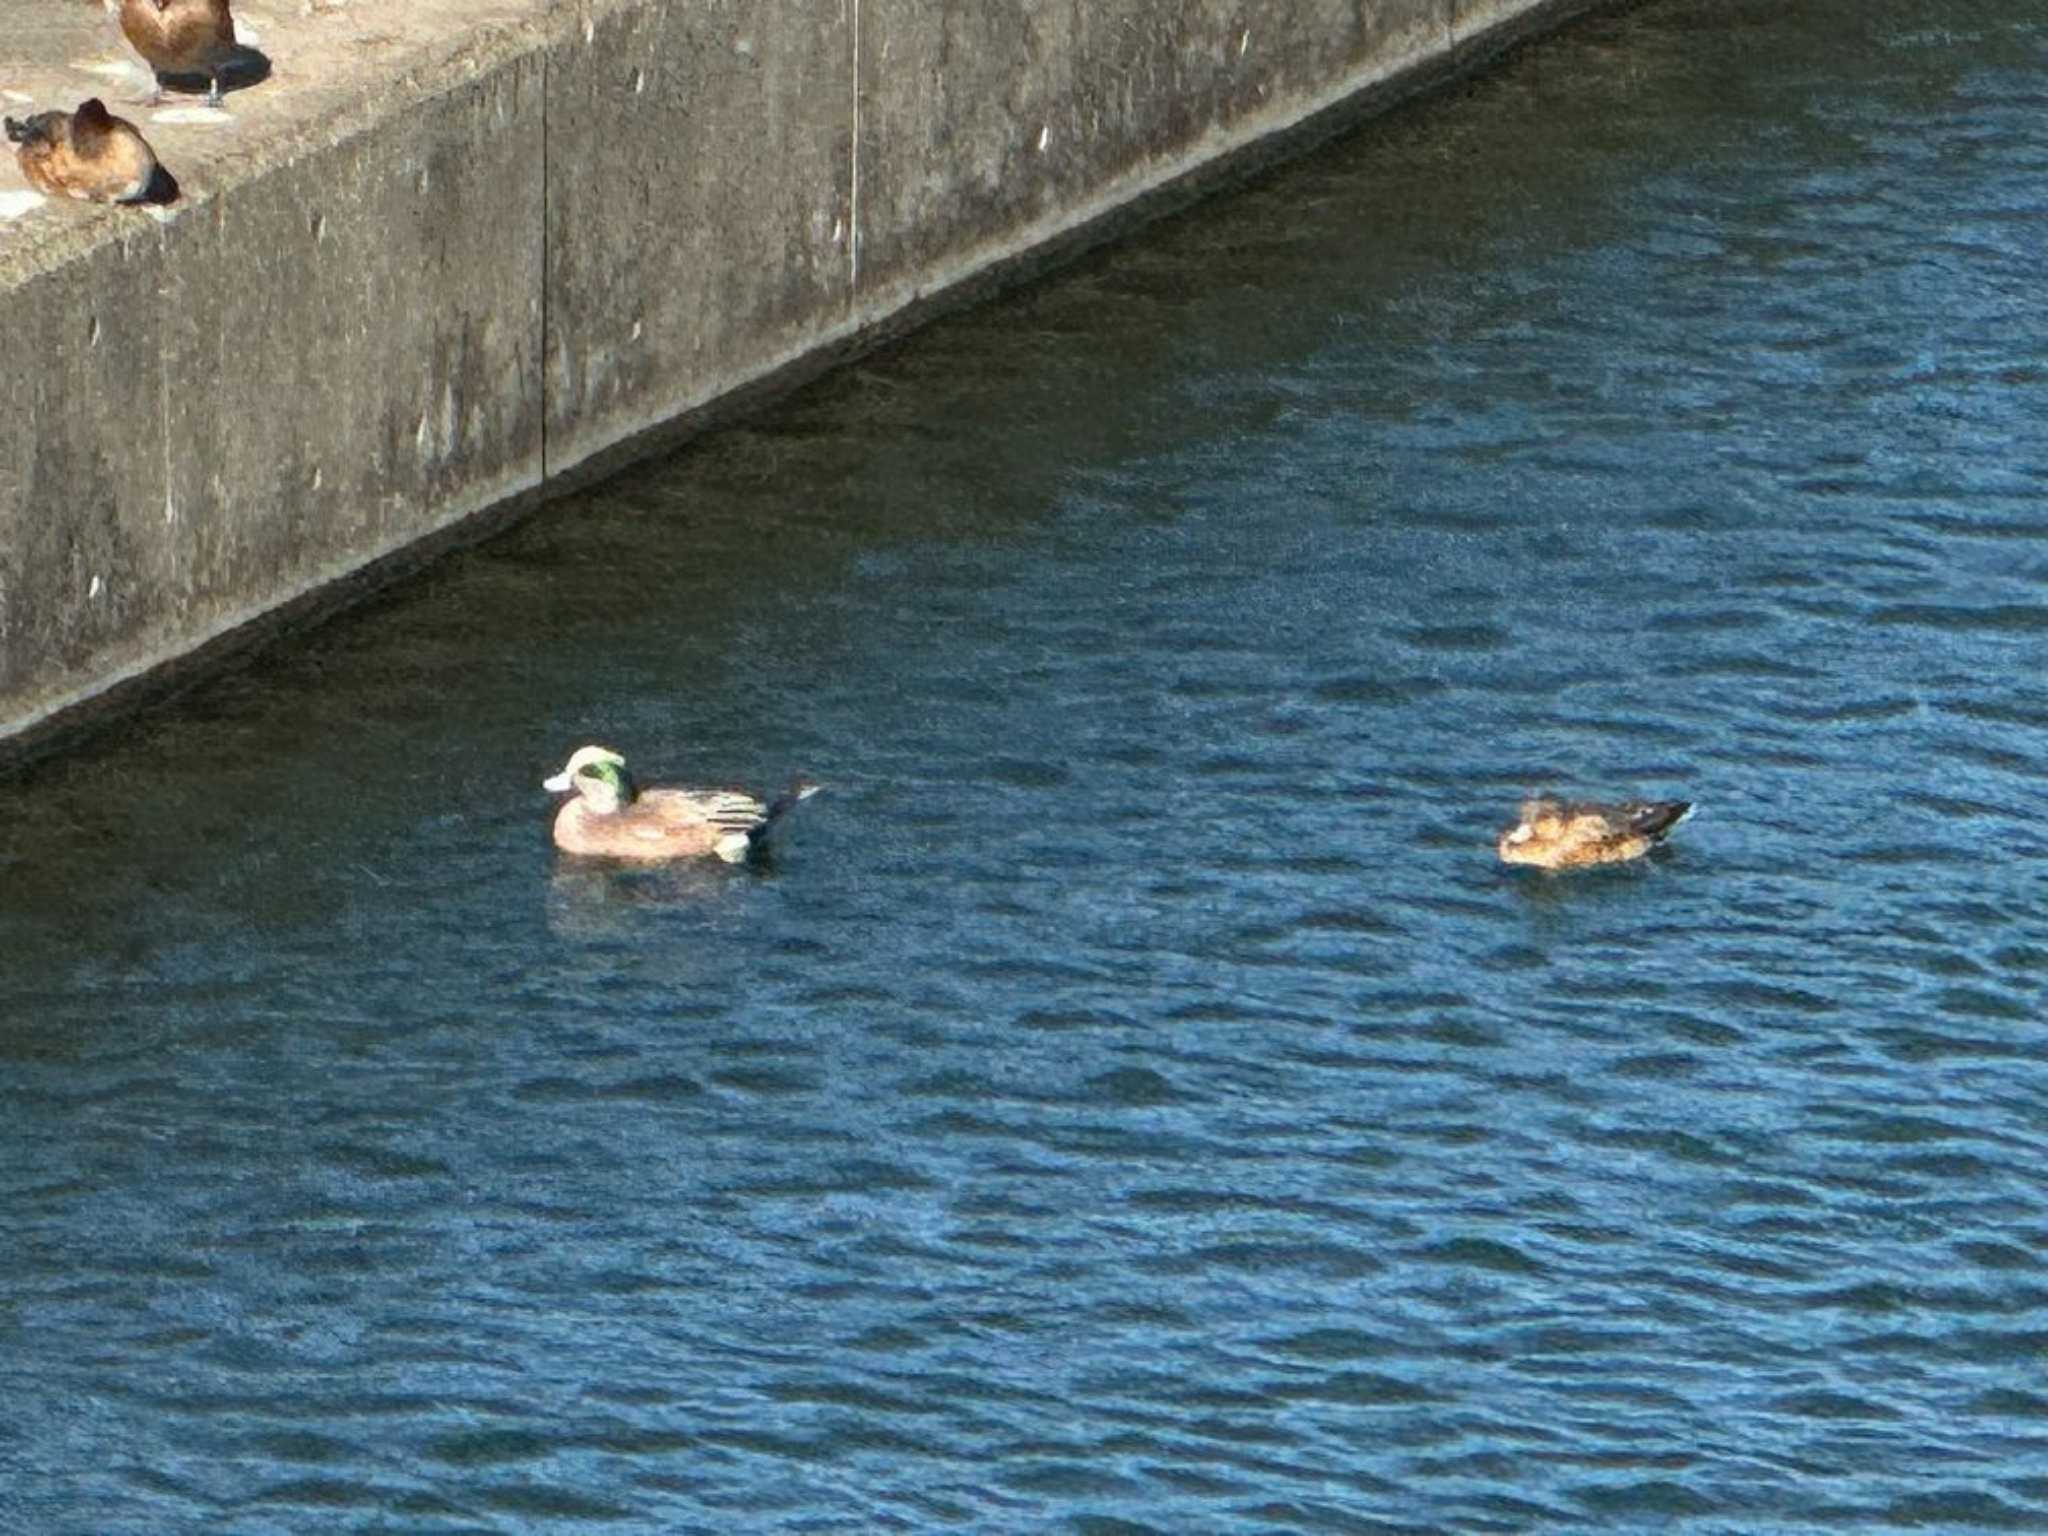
1522 843
599 775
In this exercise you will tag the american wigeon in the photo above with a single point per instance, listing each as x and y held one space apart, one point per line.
1555 835
91 155
610 818
190 40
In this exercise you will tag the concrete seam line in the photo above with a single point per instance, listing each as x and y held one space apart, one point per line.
853 196
163 395
546 264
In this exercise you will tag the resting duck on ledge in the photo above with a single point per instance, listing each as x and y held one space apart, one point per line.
1554 835
91 155
610 818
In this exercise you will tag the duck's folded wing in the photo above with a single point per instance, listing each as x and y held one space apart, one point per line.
1591 824
729 810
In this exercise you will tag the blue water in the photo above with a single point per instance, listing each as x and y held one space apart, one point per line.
1134 1098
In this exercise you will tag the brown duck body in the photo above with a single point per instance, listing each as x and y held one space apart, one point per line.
180 37
608 817
88 154
186 38
663 824
1554 835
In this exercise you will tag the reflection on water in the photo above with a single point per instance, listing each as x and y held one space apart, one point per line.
592 899
1135 1099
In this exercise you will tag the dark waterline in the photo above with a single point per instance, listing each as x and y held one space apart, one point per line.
1134 1100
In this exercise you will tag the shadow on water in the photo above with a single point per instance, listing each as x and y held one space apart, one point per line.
590 897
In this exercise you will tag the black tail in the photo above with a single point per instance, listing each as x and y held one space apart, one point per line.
162 188
237 66
231 67
757 840
1656 818
788 801
241 65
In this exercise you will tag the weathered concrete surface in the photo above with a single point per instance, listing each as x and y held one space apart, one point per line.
454 251
983 120
697 230
330 350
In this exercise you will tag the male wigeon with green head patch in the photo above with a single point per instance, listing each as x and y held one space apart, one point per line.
608 816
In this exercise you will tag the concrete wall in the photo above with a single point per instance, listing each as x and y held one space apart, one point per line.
553 233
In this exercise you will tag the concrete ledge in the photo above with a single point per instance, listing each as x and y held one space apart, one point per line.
454 257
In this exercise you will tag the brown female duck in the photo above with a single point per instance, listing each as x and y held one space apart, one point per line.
89 154
190 40
610 817
1554 835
